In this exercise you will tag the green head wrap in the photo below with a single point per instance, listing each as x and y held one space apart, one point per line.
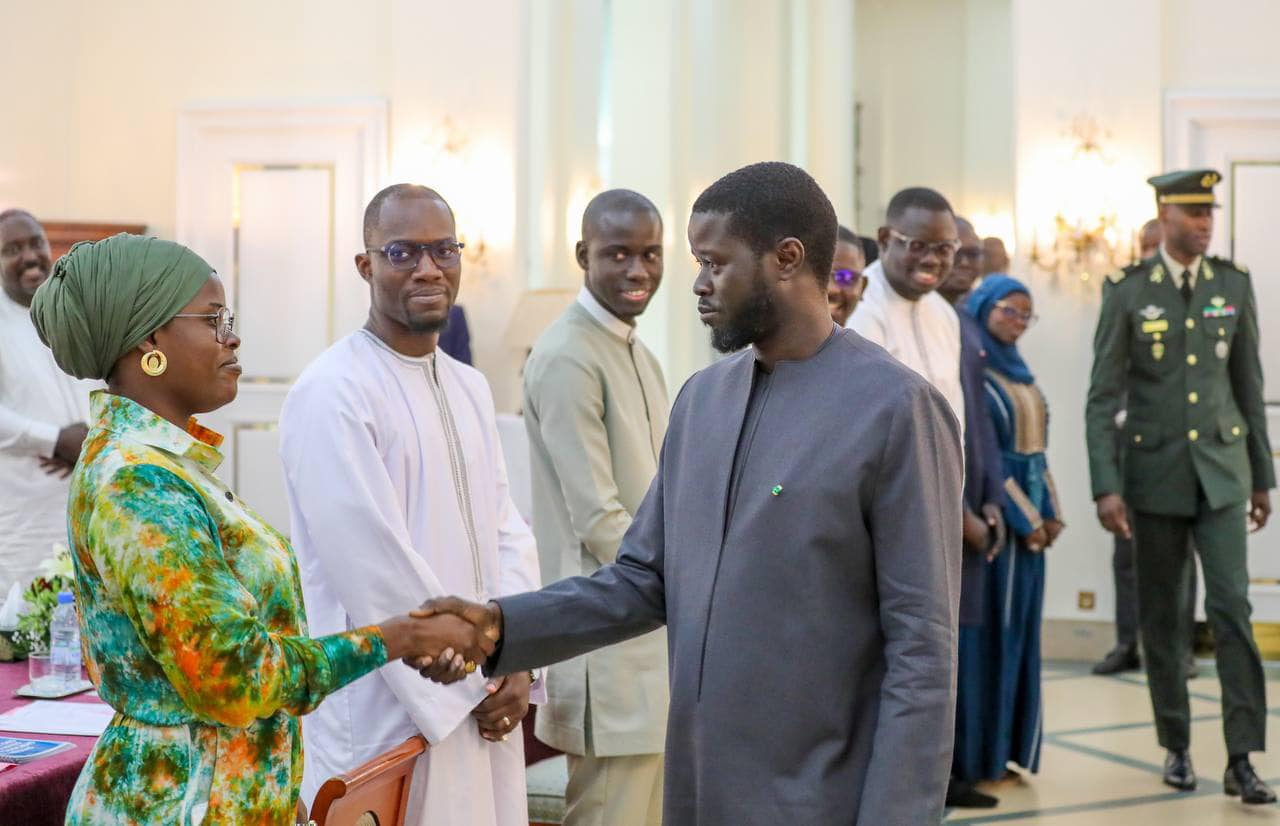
105 297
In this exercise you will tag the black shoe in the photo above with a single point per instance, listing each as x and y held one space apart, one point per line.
1121 658
1193 670
962 795
1178 771
1243 782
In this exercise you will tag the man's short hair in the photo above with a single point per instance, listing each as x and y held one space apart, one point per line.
847 236
5 215
769 201
615 200
373 212
914 197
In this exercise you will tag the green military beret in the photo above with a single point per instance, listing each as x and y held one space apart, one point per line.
1187 186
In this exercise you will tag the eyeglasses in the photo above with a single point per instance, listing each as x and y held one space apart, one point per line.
845 278
406 255
969 253
942 249
224 322
1013 313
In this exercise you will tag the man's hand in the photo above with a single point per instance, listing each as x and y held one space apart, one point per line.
1114 515
977 533
995 520
485 619
1052 527
500 713
1259 510
56 467
449 644
70 439
1036 539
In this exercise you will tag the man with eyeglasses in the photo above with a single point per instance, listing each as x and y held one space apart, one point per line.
900 309
42 411
1177 345
847 283
398 492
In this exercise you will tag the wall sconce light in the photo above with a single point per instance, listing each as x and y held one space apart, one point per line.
450 160
1087 239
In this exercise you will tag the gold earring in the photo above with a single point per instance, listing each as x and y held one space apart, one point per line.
154 363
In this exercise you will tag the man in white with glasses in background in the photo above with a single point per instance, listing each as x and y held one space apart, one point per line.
900 309
398 493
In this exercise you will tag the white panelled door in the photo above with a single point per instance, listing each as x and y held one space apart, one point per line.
273 196
1239 135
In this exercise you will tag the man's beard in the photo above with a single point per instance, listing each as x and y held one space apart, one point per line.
434 325
754 321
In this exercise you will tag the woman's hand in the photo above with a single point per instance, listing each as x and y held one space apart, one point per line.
1037 539
439 639
1053 529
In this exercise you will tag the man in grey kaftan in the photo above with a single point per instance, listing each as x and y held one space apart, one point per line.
805 561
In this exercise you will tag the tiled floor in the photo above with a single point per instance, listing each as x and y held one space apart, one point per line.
1101 764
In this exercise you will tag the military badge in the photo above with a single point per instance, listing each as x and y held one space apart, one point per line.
1157 351
1151 312
1158 326
1219 308
1157 273
1221 349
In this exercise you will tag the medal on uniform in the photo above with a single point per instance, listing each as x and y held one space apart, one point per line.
1221 349
1157 350
1219 308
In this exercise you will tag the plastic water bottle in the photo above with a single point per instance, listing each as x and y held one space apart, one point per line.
64 643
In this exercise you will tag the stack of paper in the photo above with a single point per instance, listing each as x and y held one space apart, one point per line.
52 717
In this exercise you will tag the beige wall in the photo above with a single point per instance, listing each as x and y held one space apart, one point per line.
1227 45
934 78
95 135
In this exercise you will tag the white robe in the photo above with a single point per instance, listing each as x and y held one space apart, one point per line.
924 334
37 400
378 526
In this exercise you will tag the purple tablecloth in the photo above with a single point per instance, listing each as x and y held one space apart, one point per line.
36 793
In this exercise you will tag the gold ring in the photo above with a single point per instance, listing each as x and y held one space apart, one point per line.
470 667
504 738
506 721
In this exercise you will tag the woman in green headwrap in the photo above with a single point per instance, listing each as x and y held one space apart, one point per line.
190 604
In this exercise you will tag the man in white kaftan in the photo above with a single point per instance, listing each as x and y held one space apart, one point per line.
398 492
900 309
42 412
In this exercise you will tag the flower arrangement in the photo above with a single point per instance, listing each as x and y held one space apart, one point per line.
39 600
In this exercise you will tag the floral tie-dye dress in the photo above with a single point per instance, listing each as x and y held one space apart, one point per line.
192 619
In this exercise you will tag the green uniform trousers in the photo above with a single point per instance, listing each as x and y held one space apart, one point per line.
1164 567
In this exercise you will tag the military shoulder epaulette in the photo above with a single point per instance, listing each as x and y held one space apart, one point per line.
1227 262
1116 276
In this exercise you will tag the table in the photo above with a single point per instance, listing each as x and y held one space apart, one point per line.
36 793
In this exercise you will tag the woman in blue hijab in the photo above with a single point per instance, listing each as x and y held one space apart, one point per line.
1002 710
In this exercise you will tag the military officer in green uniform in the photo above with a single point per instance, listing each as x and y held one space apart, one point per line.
1177 341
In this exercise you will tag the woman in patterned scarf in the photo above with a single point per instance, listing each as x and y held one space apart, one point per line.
190 604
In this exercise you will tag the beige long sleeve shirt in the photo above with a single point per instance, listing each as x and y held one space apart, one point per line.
596 408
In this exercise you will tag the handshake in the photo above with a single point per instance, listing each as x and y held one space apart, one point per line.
444 639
